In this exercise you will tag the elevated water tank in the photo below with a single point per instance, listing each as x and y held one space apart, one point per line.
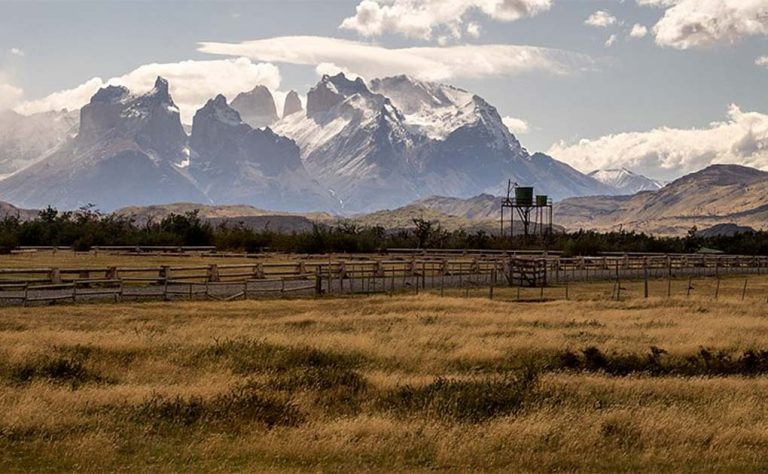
524 196
542 200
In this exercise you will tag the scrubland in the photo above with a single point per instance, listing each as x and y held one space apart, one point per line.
402 383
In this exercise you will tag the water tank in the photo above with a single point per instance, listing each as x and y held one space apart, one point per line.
542 200
524 196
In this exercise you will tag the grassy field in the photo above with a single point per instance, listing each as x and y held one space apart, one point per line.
69 259
386 383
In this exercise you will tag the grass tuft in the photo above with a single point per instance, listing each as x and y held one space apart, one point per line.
227 411
658 362
54 369
470 401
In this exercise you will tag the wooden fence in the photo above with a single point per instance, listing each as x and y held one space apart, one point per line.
310 276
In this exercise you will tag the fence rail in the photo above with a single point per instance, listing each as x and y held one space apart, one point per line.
389 273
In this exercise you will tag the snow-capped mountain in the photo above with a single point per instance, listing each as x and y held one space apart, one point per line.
355 147
625 181
397 139
256 107
25 139
133 150
233 163
129 149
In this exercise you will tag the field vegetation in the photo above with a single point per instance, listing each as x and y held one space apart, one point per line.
403 383
87 228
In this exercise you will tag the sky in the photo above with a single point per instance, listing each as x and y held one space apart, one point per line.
662 87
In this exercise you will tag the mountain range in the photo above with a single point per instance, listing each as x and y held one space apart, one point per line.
723 197
624 181
357 147
718 200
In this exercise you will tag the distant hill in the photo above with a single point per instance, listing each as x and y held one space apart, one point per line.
9 210
251 217
726 230
715 195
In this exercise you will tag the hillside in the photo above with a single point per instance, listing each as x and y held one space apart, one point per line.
715 195
249 216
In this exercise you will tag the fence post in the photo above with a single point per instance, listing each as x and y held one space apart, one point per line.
318 281
744 290
717 288
645 277
165 274
493 280
213 273
259 271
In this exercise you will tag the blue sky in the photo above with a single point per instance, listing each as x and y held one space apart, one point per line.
571 83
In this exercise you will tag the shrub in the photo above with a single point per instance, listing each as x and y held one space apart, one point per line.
658 363
228 410
56 369
467 401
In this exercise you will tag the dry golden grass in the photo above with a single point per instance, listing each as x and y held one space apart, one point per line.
70 259
324 386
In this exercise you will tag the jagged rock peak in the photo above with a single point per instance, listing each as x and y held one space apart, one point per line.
332 90
110 94
160 89
257 107
292 104
218 110
346 86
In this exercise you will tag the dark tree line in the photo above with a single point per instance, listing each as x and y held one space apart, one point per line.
86 228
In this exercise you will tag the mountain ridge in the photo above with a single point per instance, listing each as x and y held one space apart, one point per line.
360 146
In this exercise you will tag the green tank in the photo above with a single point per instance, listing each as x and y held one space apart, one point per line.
524 196
542 200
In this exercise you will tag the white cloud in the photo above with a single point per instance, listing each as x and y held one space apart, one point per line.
430 63
638 31
516 126
16 52
9 96
600 19
666 153
762 61
192 83
609 42
331 69
422 18
657 3
702 23
473 30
